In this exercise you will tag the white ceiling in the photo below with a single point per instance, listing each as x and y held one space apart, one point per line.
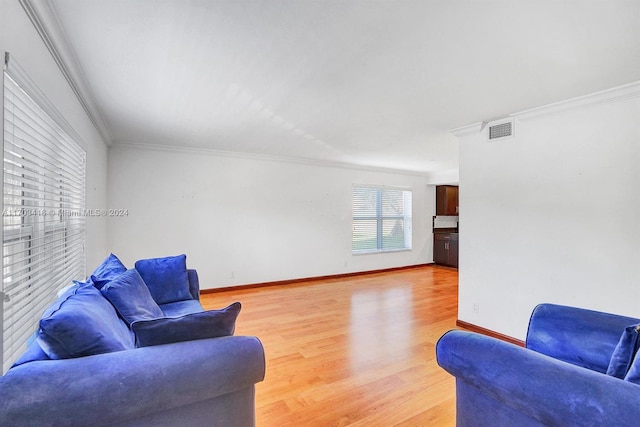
367 82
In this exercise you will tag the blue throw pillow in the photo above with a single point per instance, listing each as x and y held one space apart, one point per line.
625 351
82 323
131 297
633 375
110 268
193 326
166 278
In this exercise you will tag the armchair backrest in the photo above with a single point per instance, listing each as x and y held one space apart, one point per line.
578 336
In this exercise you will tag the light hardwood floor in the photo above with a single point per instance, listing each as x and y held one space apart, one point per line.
357 351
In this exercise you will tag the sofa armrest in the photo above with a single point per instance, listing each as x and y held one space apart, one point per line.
582 337
552 392
194 284
115 387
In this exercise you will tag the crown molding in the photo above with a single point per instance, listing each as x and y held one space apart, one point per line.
608 96
263 157
17 74
468 130
47 23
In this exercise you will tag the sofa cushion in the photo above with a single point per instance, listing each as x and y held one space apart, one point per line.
110 268
624 352
82 323
193 326
131 297
180 308
166 278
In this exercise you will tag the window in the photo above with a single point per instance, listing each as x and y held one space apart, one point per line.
381 219
43 229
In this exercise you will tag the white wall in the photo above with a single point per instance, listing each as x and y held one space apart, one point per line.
19 37
553 214
247 220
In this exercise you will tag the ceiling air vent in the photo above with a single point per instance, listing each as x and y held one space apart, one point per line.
501 130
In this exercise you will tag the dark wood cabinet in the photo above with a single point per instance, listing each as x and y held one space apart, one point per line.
447 200
445 249
453 252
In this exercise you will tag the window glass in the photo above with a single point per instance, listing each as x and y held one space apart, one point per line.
381 219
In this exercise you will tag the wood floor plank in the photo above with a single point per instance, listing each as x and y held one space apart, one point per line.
354 351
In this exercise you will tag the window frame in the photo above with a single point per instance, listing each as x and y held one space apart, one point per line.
380 218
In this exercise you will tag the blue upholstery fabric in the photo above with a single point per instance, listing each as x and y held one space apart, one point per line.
166 278
34 352
563 384
83 283
194 326
68 291
633 375
485 410
110 268
201 382
581 337
234 409
176 384
178 308
131 297
505 382
194 284
82 323
624 352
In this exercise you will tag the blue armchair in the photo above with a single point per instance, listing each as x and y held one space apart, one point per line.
559 379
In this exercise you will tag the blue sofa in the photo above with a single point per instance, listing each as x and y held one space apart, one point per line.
559 379
201 376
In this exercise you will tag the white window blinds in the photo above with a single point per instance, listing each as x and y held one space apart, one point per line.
43 215
381 219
